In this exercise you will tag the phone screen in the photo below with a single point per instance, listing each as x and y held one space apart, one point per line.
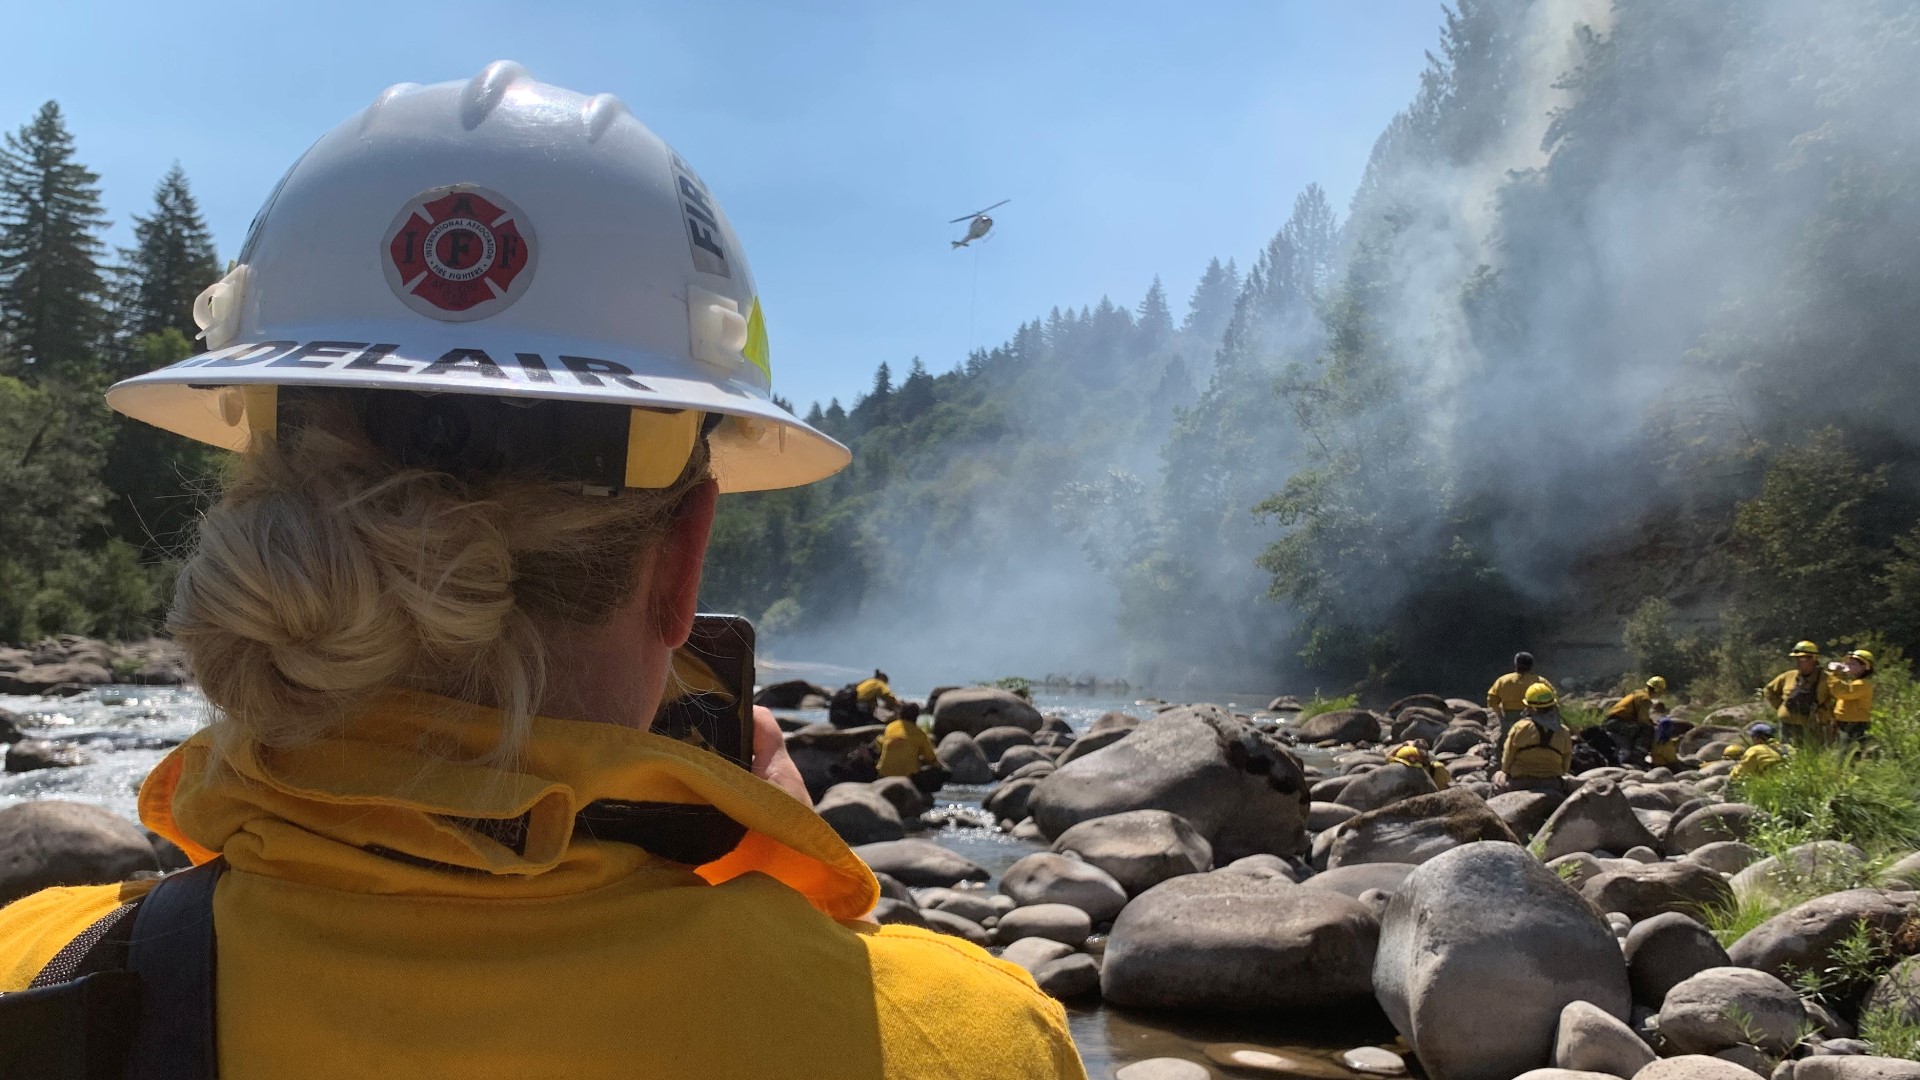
709 698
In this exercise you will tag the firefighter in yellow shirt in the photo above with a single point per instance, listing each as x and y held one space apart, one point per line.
1802 698
1630 721
1852 688
1539 750
907 750
1757 756
1414 755
1507 697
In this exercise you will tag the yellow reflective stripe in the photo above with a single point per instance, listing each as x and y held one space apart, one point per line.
755 349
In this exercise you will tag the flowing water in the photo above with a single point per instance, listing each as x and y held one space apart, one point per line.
126 730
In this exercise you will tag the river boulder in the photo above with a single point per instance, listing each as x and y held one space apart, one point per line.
1802 937
1384 786
1480 951
1417 829
1666 950
974 709
1525 811
56 842
963 759
1341 726
1712 823
860 814
1140 848
1056 922
1386 877
1238 786
1011 801
996 741
1239 942
789 694
1829 862
1639 890
1597 817
1047 878
1591 1040
1724 1007
919 863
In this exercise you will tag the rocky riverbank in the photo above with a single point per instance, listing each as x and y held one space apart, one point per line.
1195 863
68 665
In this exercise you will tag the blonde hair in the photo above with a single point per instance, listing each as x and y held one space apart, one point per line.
327 574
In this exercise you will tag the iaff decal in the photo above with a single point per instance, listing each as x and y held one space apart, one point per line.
459 253
377 359
703 224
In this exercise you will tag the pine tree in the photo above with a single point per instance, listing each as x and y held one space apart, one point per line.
814 416
1212 304
172 261
916 393
51 286
1156 321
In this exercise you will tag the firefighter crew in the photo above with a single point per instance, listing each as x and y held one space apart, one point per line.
1538 750
1507 697
1802 696
1630 720
491 351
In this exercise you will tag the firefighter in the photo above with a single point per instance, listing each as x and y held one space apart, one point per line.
1802 697
1630 721
1507 697
1538 749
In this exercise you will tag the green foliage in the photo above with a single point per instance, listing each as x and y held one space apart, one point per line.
1800 547
1327 704
1655 649
105 592
171 262
52 289
1892 1030
1581 717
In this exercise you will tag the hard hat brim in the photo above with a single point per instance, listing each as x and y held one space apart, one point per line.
760 446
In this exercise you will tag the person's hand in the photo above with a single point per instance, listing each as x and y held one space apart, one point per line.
771 761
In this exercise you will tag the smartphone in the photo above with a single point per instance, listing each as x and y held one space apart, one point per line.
709 698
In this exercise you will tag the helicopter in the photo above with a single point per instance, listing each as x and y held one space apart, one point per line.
978 223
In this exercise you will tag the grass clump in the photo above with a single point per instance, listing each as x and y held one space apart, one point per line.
1328 704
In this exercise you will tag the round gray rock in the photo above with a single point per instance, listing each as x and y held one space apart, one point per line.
974 709
1361 877
1590 1040
54 842
1055 922
1417 829
995 742
860 814
1070 978
1639 890
1723 1007
1726 856
1239 942
1047 878
1237 786
1385 786
1140 848
1802 937
1693 1067
1487 923
965 762
1666 950
920 863
1597 817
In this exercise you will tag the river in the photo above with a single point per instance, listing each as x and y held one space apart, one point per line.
126 730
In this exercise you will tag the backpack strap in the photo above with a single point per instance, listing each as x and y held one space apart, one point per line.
172 950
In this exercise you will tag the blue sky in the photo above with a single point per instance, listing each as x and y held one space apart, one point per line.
1133 138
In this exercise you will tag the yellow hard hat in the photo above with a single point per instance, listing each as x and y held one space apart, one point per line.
1863 656
1408 754
1805 648
1540 696
1657 684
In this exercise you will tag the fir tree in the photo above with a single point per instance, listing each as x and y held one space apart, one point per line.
1155 322
51 286
915 396
172 261
1212 304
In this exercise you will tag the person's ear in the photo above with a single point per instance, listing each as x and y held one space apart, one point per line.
675 587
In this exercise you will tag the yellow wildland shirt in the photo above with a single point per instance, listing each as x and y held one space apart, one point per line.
475 925
1753 760
1509 692
1534 752
904 748
1636 707
1852 700
872 691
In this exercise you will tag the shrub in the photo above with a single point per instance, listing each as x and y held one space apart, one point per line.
1328 704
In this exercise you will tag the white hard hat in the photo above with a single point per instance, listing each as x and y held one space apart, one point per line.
499 237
